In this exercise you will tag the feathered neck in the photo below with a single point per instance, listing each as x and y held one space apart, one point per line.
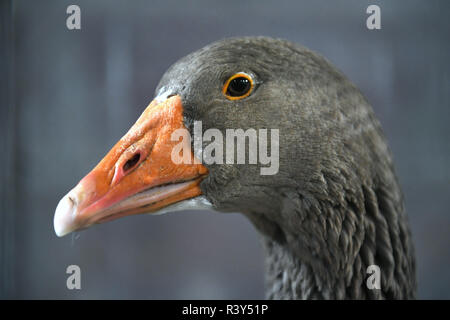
323 247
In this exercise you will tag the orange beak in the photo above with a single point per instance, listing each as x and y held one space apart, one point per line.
137 175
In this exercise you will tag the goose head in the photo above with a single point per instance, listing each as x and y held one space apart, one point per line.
285 92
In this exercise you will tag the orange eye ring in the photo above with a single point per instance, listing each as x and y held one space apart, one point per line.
238 86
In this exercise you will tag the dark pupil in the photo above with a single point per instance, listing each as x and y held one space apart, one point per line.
238 87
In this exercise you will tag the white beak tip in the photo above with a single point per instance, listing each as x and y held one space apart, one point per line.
63 221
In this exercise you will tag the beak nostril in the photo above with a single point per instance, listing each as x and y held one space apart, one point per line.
131 162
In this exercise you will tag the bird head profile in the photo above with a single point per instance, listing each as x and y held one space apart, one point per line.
317 179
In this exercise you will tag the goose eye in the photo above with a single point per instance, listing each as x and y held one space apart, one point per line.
238 86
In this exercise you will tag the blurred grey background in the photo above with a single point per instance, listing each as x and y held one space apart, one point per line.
68 96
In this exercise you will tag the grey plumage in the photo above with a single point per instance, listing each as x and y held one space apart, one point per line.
335 207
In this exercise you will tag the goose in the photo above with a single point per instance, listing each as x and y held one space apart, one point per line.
334 207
